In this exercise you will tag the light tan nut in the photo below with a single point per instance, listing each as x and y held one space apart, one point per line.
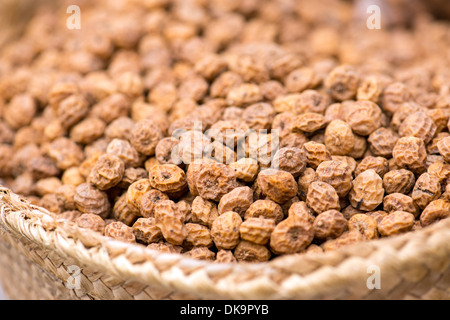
379 164
214 180
125 212
204 212
136 191
432 147
197 236
293 140
339 138
125 151
244 95
200 253
87 131
418 125
238 200
145 137
148 200
66 194
360 148
309 176
322 197
245 169
342 83
257 230
292 235
440 170
225 230
165 247
367 192
283 123
120 231
291 160
435 211
377 215
266 209
426 189
89 199
395 223
259 116
347 238
107 172
146 231
65 152
410 153
280 186
382 142
168 178
444 148
395 95
364 224
309 122
315 153
329 225
370 89
251 252
364 117
225 256
399 181
337 174
301 209
400 202
171 222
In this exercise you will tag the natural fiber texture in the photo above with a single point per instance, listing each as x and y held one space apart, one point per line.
37 257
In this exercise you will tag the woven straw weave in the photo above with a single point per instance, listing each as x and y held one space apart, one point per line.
38 254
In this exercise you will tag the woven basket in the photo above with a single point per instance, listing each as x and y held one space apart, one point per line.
40 257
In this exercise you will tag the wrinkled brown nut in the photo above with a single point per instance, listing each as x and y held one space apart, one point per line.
166 151
367 192
121 128
339 138
426 189
382 142
399 181
337 174
225 256
165 247
365 224
266 209
92 222
370 89
223 84
395 95
20 111
283 122
46 186
379 164
309 122
435 211
244 95
238 200
169 221
291 160
87 131
418 125
245 169
120 231
395 223
72 110
444 148
360 148
124 211
259 116
293 140
301 209
65 153
347 238
89 199
107 172
329 225
272 90
111 108
440 170
225 230
169 179
66 195
309 176
400 202
148 201
342 83
136 191
51 202
132 175
410 153
364 117
146 231
200 253
292 235
377 215
322 197
197 236
204 212
251 252
315 153
43 167
432 147
279 186
145 137
257 230
125 151
214 180
300 80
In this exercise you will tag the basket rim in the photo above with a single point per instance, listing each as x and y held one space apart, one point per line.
298 276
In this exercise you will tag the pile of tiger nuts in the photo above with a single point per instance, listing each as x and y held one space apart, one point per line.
229 130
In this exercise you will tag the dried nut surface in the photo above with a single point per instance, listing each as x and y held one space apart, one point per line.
245 169
200 253
120 231
148 200
322 197
280 186
329 225
214 180
337 174
204 211
291 160
168 178
367 192
135 192
89 199
257 230
426 189
225 230
266 209
92 222
343 83
145 137
379 164
309 122
418 125
146 231
292 235
197 236
399 181
395 223
364 117
238 200
444 148
169 221
339 138
410 153
125 151
400 202
382 142
434 212
107 172
124 211
247 251
315 153
365 224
